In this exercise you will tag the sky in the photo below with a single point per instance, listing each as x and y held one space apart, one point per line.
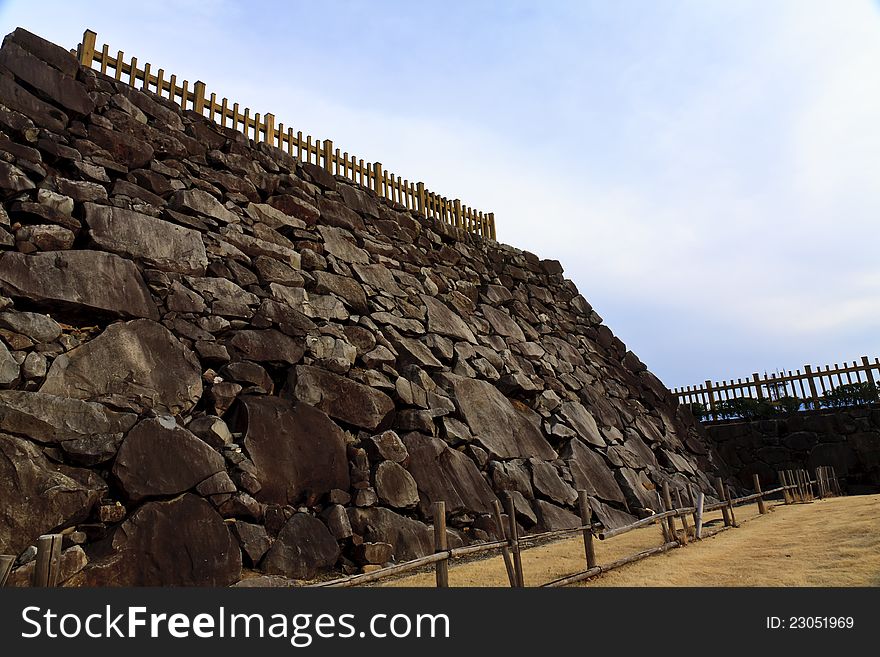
706 171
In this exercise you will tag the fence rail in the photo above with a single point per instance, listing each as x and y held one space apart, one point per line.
795 486
809 385
413 196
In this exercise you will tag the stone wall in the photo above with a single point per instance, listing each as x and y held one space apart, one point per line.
847 439
217 360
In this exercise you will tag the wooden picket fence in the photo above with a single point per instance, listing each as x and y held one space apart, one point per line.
413 196
796 486
808 385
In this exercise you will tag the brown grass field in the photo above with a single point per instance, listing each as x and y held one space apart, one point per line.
834 542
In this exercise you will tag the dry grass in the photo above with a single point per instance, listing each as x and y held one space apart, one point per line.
833 542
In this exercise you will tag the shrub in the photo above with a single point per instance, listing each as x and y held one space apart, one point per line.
788 404
699 411
850 394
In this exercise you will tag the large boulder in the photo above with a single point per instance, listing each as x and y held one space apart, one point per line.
179 542
552 518
157 243
339 397
158 457
38 496
46 80
39 328
580 419
445 322
266 346
409 538
9 367
395 486
446 475
303 547
499 428
52 419
137 364
591 473
78 282
299 452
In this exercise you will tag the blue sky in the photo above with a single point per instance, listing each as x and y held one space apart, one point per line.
706 171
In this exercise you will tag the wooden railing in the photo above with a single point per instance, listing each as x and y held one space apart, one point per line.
795 486
673 508
809 385
413 196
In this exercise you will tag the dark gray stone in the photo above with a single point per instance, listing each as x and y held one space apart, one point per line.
159 458
496 424
303 547
138 364
82 281
298 451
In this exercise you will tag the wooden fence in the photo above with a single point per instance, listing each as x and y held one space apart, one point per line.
796 486
808 385
413 196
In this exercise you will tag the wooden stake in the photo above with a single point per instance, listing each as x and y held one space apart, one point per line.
586 519
505 551
729 499
667 504
719 488
514 542
698 517
48 560
664 526
684 520
6 561
757 480
441 568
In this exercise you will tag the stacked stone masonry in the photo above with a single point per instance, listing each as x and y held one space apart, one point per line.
848 439
221 365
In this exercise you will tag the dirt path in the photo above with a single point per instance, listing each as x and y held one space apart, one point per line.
833 542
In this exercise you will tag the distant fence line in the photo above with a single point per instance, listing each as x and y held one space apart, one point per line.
411 195
811 385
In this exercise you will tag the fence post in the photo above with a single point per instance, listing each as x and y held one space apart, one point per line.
684 520
456 211
420 194
761 508
6 561
586 520
710 393
869 373
781 476
820 488
87 48
441 568
328 155
757 379
719 488
48 560
729 498
199 99
667 504
814 393
664 524
514 541
269 123
377 178
698 517
505 551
